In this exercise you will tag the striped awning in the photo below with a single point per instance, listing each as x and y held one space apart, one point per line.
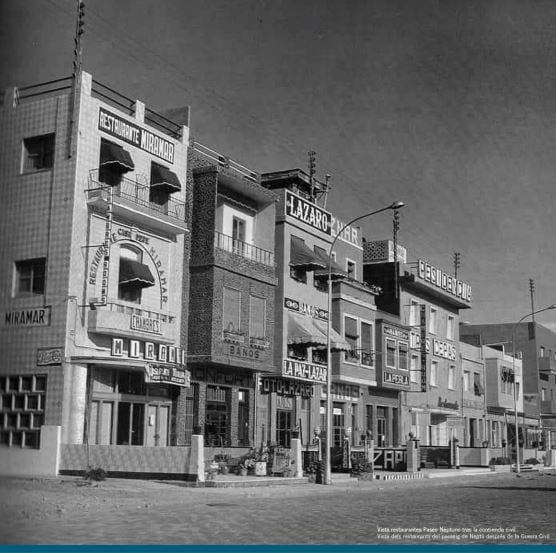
302 257
335 270
312 332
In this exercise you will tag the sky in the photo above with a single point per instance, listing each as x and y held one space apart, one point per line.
448 106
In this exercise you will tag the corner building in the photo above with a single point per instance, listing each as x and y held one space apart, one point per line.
91 281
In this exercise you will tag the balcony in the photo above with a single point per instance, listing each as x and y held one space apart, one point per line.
548 407
118 319
132 200
243 249
547 365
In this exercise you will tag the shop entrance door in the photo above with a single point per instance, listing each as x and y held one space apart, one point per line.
283 427
157 425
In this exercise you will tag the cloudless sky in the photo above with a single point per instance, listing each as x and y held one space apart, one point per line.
448 105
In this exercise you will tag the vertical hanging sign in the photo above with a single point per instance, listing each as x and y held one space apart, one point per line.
106 262
423 348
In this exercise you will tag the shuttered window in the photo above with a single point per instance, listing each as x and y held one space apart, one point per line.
257 317
231 307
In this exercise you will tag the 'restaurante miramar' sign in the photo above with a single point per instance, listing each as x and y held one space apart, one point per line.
308 213
114 125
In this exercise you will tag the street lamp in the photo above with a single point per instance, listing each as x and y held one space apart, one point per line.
553 306
328 456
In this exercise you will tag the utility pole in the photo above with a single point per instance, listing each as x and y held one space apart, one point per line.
457 263
75 75
396 227
532 292
312 169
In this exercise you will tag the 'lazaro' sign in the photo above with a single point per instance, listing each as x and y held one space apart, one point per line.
114 125
304 371
308 213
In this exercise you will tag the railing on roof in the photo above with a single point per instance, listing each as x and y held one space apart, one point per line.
112 97
163 124
139 194
225 161
243 249
48 88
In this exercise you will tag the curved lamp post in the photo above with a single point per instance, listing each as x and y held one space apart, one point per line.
553 306
328 457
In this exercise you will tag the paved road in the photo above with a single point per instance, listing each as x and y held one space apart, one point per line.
504 509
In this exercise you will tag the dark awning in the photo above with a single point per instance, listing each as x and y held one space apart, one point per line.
335 270
336 341
302 257
114 156
164 179
478 387
133 272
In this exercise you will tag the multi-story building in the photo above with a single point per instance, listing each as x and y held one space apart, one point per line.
231 299
94 230
425 301
536 346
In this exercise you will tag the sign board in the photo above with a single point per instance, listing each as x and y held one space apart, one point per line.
33 316
306 309
145 324
49 356
308 213
304 371
285 387
444 281
395 378
167 374
129 132
423 348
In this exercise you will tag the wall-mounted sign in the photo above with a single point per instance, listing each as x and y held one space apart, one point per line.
164 374
423 321
342 392
285 387
395 378
445 404
34 316
244 352
114 125
446 350
349 234
49 356
444 281
306 309
304 371
395 332
145 324
308 213
137 349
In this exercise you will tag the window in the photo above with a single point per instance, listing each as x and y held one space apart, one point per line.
466 377
243 418
433 320
257 317
30 276
414 313
434 373
299 351
391 353
38 153
367 353
403 352
450 328
543 394
452 377
22 402
231 307
351 269
541 351
216 416
352 336
415 368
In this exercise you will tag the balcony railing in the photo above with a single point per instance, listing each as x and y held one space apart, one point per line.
243 249
126 309
139 194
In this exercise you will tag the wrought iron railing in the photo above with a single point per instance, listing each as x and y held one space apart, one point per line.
126 309
243 249
139 194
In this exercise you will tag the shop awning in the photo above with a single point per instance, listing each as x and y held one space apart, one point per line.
478 387
311 332
164 179
337 343
114 156
133 272
335 270
302 257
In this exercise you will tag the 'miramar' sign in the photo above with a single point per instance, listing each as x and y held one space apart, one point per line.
116 126
308 213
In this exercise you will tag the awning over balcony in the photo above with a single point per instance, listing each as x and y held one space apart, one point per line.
310 332
164 179
302 257
335 270
133 272
114 156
